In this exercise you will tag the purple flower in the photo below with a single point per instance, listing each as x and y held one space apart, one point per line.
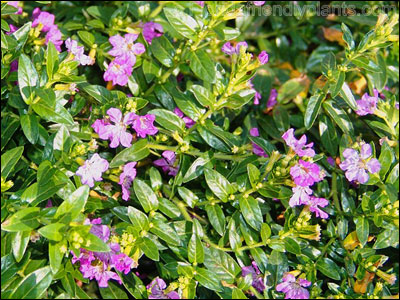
298 146
12 29
367 104
125 48
229 49
122 262
116 132
126 178
188 121
257 95
78 52
54 35
357 164
44 18
201 3
119 70
99 127
101 231
144 126
301 195
263 57
258 282
99 271
294 289
15 4
152 30
305 173
85 257
331 161
315 203
157 287
257 150
258 3
92 170
273 95
14 65
168 163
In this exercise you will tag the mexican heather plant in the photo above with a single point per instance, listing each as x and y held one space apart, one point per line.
198 149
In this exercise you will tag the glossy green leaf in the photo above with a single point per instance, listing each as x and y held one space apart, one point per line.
28 78
9 160
150 249
195 250
53 232
163 50
34 285
202 65
145 194
168 120
182 22
218 184
136 152
329 268
25 219
313 109
251 211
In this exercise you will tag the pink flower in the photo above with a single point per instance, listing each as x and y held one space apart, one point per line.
119 70
152 30
85 257
258 3
14 65
92 170
15 4
294 289
126 178
116 132
201 3
12 29
301 195
99 127
273 95
357 164
100 272
44 18
315 204
263 57
125 48
257 95
229 49
54 35
78 52
367 104
101 231
257 150
144 126
305 173
168 163
188 121
122 262
157 287
258 282
298 146
331 161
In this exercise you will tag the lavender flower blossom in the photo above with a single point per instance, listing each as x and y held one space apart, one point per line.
78 52
152 30
126 178
367 104
188 121
256 274
257 150
116 133
125 48
273 95
157 287
119 70
301 195
15 4
54 35
305 173
263 57
258 3
294 289
92 170
298 146
357 164
144 126
44 18
315 203
168 163
229 49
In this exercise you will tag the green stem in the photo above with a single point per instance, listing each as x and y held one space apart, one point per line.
335 193
325 249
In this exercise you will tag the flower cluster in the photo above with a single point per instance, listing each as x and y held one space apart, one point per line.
98 265
45 23
114 127
124 50
304 175
357 164
157 289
